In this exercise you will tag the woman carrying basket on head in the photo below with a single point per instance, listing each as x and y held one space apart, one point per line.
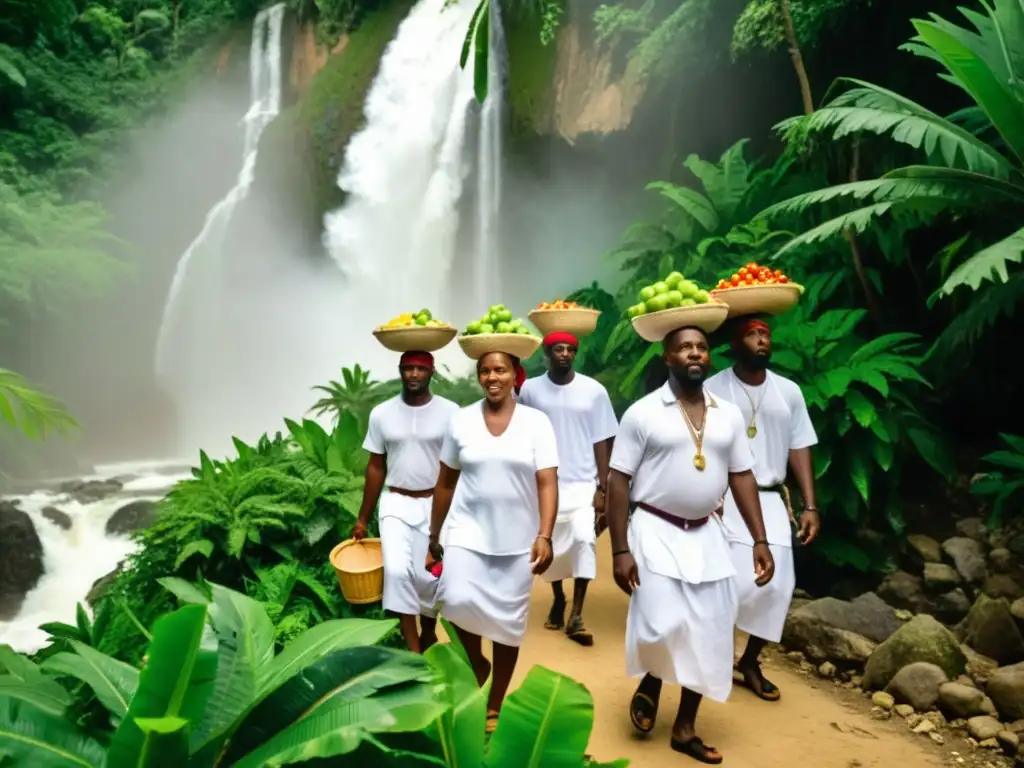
496 497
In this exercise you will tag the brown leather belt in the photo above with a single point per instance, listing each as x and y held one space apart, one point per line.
426 494
681 523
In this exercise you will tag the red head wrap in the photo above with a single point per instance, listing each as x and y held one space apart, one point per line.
421 359
561 337
745 326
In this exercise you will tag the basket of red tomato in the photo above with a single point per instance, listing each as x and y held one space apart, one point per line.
755 289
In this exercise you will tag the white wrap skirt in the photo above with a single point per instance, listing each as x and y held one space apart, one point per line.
574 541
762 610
409 588
486 595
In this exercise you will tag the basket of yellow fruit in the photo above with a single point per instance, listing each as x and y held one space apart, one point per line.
567 316
673 303
755 289
418 332
498 331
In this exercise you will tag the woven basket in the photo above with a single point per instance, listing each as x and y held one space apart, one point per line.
578 322
655 326
359 566
520 345
759 299
416 338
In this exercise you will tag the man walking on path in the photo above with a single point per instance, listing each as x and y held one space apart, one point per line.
404 440
779 431
584 422
677 451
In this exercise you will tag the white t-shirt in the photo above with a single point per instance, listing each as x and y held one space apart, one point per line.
654 447
582 415
410 437
782 421
496 510
783 424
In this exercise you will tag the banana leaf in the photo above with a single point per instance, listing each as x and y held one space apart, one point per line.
30 736
113 681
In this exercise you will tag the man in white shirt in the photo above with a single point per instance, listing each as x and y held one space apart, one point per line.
779 431
404 440
677 451
584 422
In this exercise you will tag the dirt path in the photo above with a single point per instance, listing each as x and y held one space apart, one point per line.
814 725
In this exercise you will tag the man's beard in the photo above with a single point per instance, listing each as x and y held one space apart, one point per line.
685 378
757 362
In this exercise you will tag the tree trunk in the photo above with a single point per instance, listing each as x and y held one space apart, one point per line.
797 57
874 308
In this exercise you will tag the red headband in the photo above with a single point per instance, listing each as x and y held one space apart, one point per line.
421 359
746 326
561 337
520 376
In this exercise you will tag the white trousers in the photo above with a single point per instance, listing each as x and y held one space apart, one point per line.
409 588
486 595
574 545
682 633
762 610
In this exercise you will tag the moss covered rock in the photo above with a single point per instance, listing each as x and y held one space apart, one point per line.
920 639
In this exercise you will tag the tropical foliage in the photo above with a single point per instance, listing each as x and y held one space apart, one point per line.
30 411
212 691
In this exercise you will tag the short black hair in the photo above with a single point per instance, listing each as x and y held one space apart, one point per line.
671 334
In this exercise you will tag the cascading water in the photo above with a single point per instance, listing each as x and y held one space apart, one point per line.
180 364
395 237
488 255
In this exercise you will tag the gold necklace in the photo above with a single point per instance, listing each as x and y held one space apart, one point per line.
752 428
698 435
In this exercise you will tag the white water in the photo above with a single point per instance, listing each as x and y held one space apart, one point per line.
180 364
488 254
395 236
74 559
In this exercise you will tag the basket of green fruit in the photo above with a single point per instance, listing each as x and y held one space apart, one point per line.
673 303
418 332
498 331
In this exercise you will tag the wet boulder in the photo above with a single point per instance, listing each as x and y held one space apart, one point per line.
90 491
61 519
132 517
21 559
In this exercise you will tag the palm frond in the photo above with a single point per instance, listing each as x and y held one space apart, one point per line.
870 108
988 264
997 302
25 408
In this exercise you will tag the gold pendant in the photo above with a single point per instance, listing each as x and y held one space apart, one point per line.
752 431
699 462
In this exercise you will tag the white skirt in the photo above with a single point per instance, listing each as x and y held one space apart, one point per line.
409 588
574 545
486 595
762 610
682 633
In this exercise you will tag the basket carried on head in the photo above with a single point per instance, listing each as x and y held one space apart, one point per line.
521 345
416 338
655 326
578 321
359 566
759 299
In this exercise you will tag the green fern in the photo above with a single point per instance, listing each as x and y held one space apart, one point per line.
29 410
1004 483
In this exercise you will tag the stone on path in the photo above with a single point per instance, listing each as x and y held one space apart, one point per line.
1001 585
958 701
989 629
941 577
983 727
920 639
968 556
1006 689
917 684
924 549
1001 560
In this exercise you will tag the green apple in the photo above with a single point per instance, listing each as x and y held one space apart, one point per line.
503 327
675 298
702 297
674 279
688 303
486 328
688 288
516 324
523 330
504 316
660 287
426 313
473 328
646 294
658 303
635 311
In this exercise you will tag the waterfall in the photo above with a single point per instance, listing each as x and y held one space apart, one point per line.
488 255
403 173
265 104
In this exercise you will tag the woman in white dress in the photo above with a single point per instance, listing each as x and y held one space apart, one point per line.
496 499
